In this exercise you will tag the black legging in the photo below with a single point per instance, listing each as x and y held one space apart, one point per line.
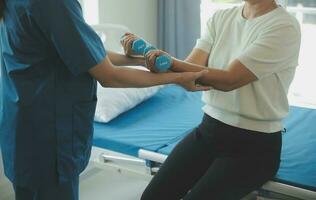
217 162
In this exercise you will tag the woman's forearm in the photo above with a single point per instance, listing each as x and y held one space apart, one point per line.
218 79
197 57
184 66
232 77
122 60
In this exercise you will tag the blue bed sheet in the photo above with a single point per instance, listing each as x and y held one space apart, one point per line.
152 125
161 122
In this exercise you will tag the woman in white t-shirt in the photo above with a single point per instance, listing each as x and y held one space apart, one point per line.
251 53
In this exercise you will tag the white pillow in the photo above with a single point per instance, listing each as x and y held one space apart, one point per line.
115 101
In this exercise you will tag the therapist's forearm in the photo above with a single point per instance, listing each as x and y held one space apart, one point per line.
122 77
109 75
122 60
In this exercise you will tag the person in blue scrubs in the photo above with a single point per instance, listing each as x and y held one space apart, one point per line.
50 62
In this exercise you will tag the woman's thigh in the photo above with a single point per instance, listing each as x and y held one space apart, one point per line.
232 178
186 164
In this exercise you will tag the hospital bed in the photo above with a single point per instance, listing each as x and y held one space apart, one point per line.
140 140
150 131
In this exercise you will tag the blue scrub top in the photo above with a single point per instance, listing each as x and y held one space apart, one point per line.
48 97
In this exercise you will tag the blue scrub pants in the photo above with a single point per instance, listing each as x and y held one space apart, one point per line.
65 191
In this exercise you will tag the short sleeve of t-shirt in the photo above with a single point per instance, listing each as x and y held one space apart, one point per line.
206 41
274 50
76 43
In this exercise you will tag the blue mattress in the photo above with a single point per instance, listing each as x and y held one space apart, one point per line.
152 125
298 160
161 122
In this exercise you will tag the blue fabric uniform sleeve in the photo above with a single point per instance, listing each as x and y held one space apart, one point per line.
76 43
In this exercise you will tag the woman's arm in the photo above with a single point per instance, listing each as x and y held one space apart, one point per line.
109 75
236 75
198 57
123 60
266 56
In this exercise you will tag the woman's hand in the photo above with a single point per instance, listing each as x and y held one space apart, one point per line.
150 59
188 81
127 43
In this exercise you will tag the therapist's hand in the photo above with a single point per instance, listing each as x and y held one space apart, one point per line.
127 43
188 81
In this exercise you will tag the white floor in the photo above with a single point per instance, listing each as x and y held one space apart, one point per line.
100 184
105 182
97 185
6 192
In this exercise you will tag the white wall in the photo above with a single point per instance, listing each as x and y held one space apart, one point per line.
283 2
91 11
140 16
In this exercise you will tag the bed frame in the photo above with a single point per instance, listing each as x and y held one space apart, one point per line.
147 165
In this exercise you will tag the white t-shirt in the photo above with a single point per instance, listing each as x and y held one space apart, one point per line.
269 47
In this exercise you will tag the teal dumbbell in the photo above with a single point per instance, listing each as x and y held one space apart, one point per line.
140 47
162 63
